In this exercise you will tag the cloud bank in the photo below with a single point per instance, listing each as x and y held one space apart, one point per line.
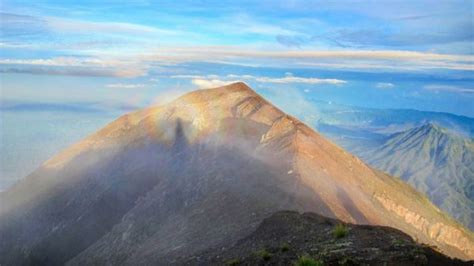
210 81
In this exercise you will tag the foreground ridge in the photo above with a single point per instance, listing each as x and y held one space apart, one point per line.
287 237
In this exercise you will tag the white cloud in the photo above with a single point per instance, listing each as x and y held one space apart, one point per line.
75 66
245 24
347 59
56 61
207 81
291 79
384 85
227 51
447 88
125 86
189 76
72 25
138 64
211 83
247 77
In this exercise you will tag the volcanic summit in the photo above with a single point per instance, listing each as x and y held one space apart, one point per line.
198 173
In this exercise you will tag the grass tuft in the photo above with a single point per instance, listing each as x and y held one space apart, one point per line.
340 231
264 254
232 262
307 261
285 247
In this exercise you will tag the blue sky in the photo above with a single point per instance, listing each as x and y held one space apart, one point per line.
69 67
128 54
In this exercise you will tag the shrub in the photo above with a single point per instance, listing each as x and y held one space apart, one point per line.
398 242
308 261
284 247
264 254
232 262
340 231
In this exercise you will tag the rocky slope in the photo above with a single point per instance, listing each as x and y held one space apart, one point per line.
200 172
286 238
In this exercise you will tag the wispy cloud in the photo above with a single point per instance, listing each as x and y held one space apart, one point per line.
17 26
135 64
210 83
216 80
72 71
19 23
76 26
351 59
243 23
58 61
448 88
384 85
286 80
125 86
74 66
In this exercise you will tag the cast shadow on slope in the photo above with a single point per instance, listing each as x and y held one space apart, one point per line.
92 201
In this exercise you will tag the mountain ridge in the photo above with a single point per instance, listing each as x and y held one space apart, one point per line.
436 162
286 236
172 179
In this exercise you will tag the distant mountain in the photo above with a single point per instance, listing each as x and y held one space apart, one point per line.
368 133
436 162
286 238
199 173
383 121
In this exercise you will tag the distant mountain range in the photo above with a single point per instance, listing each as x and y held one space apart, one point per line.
383 121
436 162
434 152
199 173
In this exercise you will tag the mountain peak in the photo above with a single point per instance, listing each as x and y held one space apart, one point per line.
431 126
240 87
427 135
209 167
225 95
431 129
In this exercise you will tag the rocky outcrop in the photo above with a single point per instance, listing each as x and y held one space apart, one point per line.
286 237
438 231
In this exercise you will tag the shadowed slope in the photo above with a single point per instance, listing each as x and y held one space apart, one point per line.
286 236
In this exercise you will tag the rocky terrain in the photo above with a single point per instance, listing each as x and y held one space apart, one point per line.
201 172
290 238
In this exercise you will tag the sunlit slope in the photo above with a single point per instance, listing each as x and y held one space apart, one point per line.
199 172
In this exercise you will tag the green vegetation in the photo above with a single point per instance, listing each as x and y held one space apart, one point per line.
398 242
340 231
308 261
232 262
264 254
285 247
417 251
347 261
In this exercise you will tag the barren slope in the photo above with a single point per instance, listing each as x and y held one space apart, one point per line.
200 172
